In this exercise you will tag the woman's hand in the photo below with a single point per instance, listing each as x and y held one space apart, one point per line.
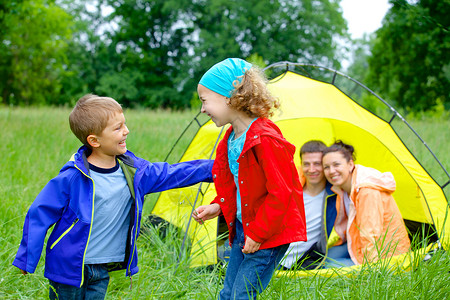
206 212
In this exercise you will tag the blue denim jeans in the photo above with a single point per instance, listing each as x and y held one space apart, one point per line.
249 274
96 279
338 256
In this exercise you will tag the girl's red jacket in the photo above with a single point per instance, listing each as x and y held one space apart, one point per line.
272 206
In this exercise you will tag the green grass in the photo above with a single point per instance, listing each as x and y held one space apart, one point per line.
36 142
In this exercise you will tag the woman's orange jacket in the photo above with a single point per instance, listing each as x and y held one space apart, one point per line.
374 228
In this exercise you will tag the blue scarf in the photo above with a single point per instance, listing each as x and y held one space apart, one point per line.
220 77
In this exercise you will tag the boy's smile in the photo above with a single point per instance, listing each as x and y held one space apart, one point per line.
113 137
111 142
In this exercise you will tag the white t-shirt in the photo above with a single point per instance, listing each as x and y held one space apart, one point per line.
347 201
111 221
313 214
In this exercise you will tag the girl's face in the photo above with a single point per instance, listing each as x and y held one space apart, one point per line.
215 106
338 170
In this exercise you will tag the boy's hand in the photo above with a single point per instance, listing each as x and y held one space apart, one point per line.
23 272
206 212
250 245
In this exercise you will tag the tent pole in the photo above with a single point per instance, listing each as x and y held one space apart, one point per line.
301 65
392 119
195 202
181 135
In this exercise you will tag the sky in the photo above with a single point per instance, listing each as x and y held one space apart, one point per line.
364 16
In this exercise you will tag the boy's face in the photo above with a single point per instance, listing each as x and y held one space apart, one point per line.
112 140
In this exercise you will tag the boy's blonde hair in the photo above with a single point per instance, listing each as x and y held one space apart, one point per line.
91 114
252 96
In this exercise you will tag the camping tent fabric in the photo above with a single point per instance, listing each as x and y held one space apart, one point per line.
312 109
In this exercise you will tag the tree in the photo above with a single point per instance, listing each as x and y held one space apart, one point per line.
410 59
295 30
34 39
360 53
92 57
152 53
163 46
150 42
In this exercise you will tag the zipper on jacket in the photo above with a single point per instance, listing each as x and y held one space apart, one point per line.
90 227
325 229
129 176
133 239
64 233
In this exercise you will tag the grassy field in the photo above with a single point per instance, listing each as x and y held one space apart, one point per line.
36 142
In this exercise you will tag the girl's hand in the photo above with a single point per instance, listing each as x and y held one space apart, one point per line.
250 245
206 212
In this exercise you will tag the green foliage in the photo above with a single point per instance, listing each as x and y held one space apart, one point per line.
257 60
120 86
371 103
34 38
92 59
411 54
195 102
275 30
437 112
359 68
151 53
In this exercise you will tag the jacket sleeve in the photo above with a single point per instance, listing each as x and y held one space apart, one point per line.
369 222
162 176
46 210
280 172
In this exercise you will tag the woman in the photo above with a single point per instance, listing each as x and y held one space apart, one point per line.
368 221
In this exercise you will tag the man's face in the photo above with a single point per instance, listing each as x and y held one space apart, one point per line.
312 168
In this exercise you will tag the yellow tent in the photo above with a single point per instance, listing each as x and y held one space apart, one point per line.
318 109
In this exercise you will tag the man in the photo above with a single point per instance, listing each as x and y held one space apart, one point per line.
320 210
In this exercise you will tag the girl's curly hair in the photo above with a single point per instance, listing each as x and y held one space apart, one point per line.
252 96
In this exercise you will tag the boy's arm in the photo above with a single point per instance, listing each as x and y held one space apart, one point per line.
43 213
161 176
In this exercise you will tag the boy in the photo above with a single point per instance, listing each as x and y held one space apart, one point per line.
96 202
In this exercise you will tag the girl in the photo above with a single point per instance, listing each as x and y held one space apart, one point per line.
257 184
368 221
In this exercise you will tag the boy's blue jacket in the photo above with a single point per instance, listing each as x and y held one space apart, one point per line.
68 202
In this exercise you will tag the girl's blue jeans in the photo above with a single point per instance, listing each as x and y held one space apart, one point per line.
96 279
249 274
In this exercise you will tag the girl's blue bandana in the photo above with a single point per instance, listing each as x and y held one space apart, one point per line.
220 77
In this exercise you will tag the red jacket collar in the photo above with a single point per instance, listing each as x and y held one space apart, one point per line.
261 127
